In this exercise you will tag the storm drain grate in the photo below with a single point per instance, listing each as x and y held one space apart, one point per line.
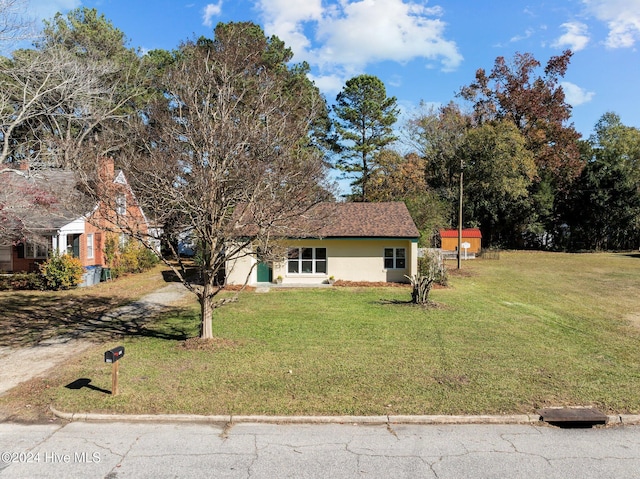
576 417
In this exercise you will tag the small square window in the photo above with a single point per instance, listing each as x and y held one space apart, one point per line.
321 267
395 258
294 253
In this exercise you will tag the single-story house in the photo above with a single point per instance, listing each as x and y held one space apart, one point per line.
471 236
364 242
68 222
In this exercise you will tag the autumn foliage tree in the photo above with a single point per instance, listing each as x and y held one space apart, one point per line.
536 105
437 135
396 177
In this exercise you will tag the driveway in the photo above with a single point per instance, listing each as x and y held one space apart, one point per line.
22 364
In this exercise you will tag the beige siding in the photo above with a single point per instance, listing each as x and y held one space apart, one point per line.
238 269
347 259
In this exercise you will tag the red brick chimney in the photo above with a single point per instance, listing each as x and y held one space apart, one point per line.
106 169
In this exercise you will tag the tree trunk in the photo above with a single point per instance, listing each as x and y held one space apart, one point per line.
421 288
206 312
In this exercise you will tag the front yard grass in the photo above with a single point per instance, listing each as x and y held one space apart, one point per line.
509 336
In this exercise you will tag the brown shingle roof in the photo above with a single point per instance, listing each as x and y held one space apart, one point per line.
62 202
367 220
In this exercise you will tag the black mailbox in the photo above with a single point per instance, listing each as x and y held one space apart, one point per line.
114 354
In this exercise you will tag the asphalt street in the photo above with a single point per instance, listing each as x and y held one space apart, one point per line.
252 450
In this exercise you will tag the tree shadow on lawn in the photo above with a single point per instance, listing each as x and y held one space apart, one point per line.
27 319
401 302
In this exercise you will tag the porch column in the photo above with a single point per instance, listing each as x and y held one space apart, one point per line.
413 258
61 239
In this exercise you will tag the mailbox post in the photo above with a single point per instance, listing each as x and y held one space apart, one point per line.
112 356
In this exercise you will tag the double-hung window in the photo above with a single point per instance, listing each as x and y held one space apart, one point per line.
395 258
90 245
123 239
121 205
307 261
37 250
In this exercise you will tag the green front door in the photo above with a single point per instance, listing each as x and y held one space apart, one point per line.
265 273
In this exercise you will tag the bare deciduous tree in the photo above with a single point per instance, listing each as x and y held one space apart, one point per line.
227 154
15 25
35 87
68 99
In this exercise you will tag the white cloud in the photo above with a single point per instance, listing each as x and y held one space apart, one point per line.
330 84
575 95
46 9
575 37
622 18
395 81
287 19
518 38
350 34
210 11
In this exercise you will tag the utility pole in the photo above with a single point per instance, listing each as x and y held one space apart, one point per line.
460 218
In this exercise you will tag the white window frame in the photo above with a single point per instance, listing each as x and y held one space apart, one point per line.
90 249
121 205
301 259
36 250
396 260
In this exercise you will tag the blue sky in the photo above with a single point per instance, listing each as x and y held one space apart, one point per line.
422 50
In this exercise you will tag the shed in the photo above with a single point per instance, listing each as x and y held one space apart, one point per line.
473 236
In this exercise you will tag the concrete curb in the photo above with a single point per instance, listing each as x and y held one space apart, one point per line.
480 419
613 420
94 417
230 419
624 419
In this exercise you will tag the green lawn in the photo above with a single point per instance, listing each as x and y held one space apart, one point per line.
508 336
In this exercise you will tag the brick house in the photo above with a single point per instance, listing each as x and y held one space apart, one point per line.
71 223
